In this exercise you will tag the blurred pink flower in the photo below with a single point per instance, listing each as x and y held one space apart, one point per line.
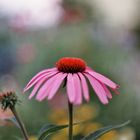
7 114
73 14
73 72
18 22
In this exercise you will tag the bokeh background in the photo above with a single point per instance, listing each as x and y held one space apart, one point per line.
105 33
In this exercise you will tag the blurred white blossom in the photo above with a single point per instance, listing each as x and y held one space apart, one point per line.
33 13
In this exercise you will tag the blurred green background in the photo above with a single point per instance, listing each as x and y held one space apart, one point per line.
86 30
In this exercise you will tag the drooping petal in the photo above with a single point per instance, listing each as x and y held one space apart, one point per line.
78 91
36 87
70 88
48 74
45 89
84 87
102 78
98 88
108 93
58 81
39 74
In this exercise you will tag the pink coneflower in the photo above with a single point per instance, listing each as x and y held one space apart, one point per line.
73 72
4 116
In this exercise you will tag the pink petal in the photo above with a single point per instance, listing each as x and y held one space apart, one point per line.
44 90
78 91
70 88
56 84
98 88
48 74
39 74
102 78
108 93
37 87
84 87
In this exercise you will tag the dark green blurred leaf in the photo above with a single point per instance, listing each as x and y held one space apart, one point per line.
18 138
49 129
100 132
45 127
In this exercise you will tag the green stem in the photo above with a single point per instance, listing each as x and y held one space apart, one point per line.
21 125
70 121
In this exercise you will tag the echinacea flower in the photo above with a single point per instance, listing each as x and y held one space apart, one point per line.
8 100
73 72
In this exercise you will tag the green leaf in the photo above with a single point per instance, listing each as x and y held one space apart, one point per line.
13 120
49 129
17 138
100 132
